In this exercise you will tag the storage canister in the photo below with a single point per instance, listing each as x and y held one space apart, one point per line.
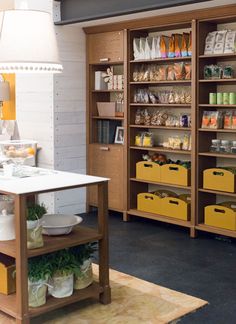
232 98
225 98
212 98
219 98
7 226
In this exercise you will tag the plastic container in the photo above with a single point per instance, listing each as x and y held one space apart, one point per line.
215 145
18 150
212 98
225 146
7 226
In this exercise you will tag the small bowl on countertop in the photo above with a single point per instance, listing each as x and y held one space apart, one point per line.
59 224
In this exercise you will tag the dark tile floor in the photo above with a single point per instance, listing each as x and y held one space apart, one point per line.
165 255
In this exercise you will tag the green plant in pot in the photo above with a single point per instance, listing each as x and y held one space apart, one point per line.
64 267
83 254
35 213
39 271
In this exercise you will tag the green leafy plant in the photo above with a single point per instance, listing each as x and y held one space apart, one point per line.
63 263
35 211
39 268
83 252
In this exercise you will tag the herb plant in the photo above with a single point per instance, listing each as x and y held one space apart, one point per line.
35 211
84 252
64 263
39 268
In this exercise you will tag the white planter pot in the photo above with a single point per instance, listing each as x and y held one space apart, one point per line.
37 292
34 234
86 277
62 286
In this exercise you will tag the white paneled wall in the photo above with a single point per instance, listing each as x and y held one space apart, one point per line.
51 110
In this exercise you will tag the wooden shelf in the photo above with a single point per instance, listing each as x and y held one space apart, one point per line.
217 130
52 303
8 248
217 192
108 117
216 230
162 127
8 304
107 63
160 218
160 149
220 56
98 91
160 82
161 183
217 106
220 155
80 235
217 80
167 59
161 105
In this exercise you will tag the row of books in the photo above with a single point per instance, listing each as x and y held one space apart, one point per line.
106 130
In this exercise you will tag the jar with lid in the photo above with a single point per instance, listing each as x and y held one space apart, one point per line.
215 145
225 146
233 147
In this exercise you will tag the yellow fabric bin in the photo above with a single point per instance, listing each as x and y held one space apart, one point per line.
7 275
149 202
176 208
175 174
219 179
220 216
148 171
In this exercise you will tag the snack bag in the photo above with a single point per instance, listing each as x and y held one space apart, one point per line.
234 120
188 70
184 45
138 140
163 45
228 72
220 42
178 40
190 44
210 43
179 71
148 139
142 42
136 48
171 49
148 48
206 119
155 50
230 42
228 120
170 73
162 73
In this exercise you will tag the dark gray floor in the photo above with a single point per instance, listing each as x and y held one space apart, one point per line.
165 254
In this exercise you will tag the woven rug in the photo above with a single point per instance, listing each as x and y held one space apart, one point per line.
134 301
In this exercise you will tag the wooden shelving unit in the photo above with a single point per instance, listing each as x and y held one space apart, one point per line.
16 305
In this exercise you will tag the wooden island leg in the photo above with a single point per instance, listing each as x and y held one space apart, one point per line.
21 261
105 297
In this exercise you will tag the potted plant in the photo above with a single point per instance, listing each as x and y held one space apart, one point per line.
39 271
35 213
83 254
64 267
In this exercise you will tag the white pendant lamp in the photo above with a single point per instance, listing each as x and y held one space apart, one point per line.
28 42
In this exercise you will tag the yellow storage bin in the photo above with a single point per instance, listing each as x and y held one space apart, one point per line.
7 275
220 216
176 208
175 174
219 179
149 202
148 171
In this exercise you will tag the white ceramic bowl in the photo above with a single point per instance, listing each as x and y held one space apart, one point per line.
59 224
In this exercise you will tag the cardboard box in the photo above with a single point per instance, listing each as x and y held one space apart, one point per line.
220 216
149 202
148 171
175 174
175 208
106 109
219 179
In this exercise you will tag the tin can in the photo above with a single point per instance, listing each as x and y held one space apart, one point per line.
225 98
219 98
212 98
232 98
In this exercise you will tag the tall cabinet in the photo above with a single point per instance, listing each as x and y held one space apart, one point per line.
106 115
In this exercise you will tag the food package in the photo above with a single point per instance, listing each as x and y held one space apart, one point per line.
220 42
171 47
179 71
188 71
142 42
212 119
228 72
210 43
234 120
190 44
153 72
178 41
156 50
170 73
164 46
185 145
147 139
153 98
139 118
148 48
216 71
165 193
138 140
162 73
147 118
207 72
184 45
230 42
228 120
136 48
183 120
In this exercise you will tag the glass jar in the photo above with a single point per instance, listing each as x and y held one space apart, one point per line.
233 147
215 145
225 146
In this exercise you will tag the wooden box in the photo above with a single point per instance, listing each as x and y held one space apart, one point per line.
220 216
148 171
175 174
149 202
219 179
106 109
176 208
7 275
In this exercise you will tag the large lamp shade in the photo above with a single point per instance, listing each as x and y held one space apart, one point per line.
28 42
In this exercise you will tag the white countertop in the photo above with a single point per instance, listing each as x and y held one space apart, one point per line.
41 183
